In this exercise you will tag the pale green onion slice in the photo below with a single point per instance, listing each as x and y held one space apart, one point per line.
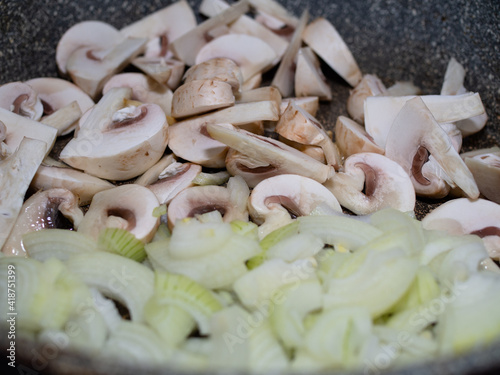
217 178
298 246
122 242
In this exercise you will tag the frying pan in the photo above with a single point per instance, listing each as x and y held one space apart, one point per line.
398 40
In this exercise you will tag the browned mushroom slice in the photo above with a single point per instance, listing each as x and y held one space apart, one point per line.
485 167
53 208
309 79
414 136
370 182
352 138
21 99
465 216
325 40
201 96
218 69
165 71
370 85
128 206
175 178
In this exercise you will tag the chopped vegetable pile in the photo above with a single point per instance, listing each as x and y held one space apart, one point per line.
196 218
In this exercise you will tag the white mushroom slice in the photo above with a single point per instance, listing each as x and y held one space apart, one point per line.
274 199
19 127
370 85
128 207
16 173
298 125
465 216
284 77
175 178
309 103
325 40
371 182
271 152
260 94
415 134
21 99
252 82
163 27
90 73
309 79
200 96
153 173
165 71
144 89
83 185
381 111
197 200
53 208
485 167
64 118
187 46
4 149
115 143
251 54
352 138
218 69
402 88
454 134
94 36
251 170
315 152
276 10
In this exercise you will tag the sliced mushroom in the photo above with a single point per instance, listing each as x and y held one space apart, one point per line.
484 165
144 89
465 216
309 103
274 200
260 94
252 83
90 73
200 96
315 152
403 88
198 200
371 182
325 40
165 71
413 136
153 173
218 69
128 206
188 45
352 138
21 99
53 208
163 27
82 185
4 149
173 179
252 170
298 125
271 153
309 79
64 118
118 143
276 10
370 85
381 111
17 171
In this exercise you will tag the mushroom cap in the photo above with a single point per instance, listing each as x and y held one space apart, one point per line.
371 182
370 85
352 138
128 206
465 216
21 99
218 69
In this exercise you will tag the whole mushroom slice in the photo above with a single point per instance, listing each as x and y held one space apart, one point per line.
95 36
90 72
144 89
21 99
165 71
82 185
201 96
217 69
128 206
162 27
465 216
309 80
296 124
117 143
414 136
197 200
381 111
370 85
352 138
325 40
274 200
16 172
269 151
188 45
53 208
484 165
371 182
253 55
173 179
